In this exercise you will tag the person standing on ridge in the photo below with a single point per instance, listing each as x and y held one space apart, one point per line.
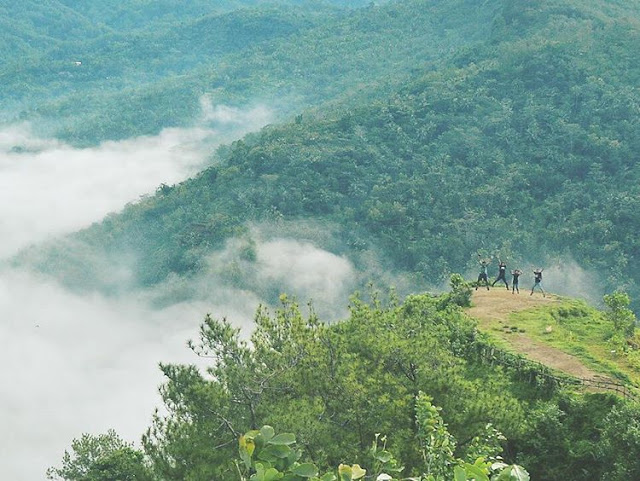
502 273
483 273
514 282
537 281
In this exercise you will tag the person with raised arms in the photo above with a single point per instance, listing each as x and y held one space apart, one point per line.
502 273
514 281
537 282
482 276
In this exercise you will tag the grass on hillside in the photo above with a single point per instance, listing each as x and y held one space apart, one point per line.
576 328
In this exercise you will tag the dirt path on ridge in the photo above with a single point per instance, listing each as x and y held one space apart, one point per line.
491 307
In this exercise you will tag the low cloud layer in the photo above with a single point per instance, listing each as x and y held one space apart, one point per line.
70 363
305 270
50 188
76 364
566 277
257 270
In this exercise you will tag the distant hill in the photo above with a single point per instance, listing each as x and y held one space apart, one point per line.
68 20
133 83
142 14
32 26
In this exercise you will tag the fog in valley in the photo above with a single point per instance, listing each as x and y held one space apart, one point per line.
71 363
50 188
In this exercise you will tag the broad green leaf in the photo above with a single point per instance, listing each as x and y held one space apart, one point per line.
475 472
345 472
293 456
259 441
259 474
459 474
518 473
272 474
383 456
283 439
267 433
329 477
306 470
274 451
383 477
268 456
357 472
513 473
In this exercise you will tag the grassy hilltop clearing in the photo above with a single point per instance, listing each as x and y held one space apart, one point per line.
566 334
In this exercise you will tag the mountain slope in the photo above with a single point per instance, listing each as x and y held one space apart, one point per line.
141 14
29 27
526 146
142 83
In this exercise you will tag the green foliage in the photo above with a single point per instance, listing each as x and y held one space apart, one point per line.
581 437
337 386
382 461
620 444
487 446
622 318
264 459
101 458
438 444
460 291
268 457
149 63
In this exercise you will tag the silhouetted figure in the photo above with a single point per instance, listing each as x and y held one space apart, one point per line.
483 273
537 281
514 281
502 274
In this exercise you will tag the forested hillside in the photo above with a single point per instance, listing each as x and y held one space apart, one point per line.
84 18
134 82
526 144
346 387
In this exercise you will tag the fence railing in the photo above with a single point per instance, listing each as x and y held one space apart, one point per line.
542 375
604 384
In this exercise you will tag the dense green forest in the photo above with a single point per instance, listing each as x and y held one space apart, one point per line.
526 144
350 386
412 135
134 82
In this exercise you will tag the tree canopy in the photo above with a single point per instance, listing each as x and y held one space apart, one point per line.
405 369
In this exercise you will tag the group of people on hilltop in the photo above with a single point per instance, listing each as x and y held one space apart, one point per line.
502 276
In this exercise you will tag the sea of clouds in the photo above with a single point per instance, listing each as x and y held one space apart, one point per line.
74 363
